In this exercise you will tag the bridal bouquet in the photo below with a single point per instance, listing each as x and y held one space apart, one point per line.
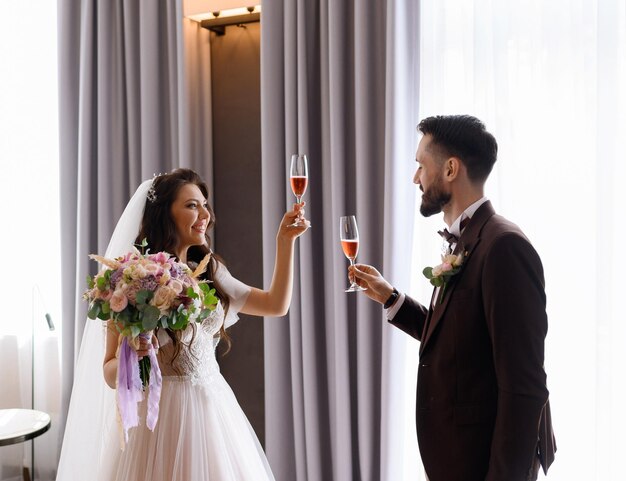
140 292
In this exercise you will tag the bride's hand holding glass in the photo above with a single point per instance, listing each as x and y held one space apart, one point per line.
294 222
298 179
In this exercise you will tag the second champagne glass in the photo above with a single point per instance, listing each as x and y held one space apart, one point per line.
349 234
299 178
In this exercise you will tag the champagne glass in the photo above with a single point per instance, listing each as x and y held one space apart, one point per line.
350 244
299 179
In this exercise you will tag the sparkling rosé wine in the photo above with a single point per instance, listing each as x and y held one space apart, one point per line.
298 184
350 248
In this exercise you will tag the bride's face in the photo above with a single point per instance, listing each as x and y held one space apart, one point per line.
191 218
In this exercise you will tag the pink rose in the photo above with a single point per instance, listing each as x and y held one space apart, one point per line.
118 301
129 290
446 266
105 294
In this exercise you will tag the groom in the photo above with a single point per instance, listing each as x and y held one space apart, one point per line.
482 403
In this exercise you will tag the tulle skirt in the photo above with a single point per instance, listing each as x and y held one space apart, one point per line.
201 435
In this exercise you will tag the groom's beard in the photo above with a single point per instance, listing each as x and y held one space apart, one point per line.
434 198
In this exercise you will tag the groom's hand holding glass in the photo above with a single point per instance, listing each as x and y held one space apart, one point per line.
368 277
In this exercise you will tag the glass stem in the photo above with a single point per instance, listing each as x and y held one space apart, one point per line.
354 284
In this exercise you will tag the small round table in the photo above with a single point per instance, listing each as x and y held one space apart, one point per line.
19 425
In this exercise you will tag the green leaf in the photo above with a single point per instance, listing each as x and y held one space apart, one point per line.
143 297
209 298
106 307
437 281
94 310
150 319
144 370
191 293
101 283
90 282
180 321
149 324
123 317
428 272
134 330
142 246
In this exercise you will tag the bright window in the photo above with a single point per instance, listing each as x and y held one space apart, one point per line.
29 192
549 80
29 241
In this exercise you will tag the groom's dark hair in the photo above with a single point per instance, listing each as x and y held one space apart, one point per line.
465 137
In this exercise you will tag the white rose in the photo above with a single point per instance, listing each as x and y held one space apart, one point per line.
163 298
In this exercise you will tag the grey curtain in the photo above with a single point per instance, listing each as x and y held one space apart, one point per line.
332 81
125 114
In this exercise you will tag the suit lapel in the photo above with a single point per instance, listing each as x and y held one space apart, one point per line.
467 243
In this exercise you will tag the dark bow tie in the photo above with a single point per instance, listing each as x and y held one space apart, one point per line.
448 236
451 238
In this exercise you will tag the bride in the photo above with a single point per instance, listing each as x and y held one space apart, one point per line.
201 433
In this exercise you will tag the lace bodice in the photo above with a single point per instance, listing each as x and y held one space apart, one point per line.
196 356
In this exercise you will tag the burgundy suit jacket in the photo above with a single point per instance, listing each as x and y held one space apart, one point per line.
482 401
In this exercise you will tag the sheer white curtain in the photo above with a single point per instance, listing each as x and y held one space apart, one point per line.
549 80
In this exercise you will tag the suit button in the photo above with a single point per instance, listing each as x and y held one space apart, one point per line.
424 364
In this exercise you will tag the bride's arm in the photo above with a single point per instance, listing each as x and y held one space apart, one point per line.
275 301
109 366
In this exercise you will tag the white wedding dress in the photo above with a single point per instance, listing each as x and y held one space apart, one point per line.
202 433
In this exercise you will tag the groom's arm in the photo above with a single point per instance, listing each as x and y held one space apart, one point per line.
515 302
410 318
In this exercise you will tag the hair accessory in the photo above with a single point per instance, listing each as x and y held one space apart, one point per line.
151 195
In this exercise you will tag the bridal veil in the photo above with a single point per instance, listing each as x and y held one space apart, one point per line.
90 442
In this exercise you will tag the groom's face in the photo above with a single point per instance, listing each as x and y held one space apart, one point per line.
429 178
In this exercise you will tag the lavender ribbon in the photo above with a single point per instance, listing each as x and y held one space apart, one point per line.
154 393
130 389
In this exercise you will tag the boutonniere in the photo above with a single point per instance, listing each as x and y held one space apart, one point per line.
441 274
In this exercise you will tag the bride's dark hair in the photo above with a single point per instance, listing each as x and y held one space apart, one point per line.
159 229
